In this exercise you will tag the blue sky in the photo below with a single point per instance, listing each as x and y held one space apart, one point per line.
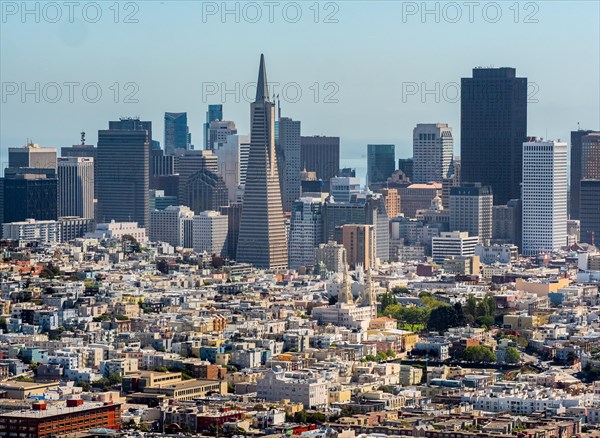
179 52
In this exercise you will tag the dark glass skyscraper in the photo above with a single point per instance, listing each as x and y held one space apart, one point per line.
381 162
590 210
30 197
123 177
575 180
321 155
177 133
289 142
406 166
30 184
262 239
215 112
493 129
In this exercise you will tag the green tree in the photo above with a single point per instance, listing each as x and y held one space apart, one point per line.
86 386
479 353
161 369
316 417
444 317
115 379
512 355
300 417
388 299
400 290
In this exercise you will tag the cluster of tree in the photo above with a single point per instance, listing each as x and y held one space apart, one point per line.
184 373
107 384
130 244
50 271
412 316
479 353
512 355
444 317
382 355
480 313
307 417
437 315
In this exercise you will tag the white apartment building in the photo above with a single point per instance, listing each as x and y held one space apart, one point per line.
118 366
210 232
519 399
306 387
116 230
544 196
76 187
172 225
502 254
332 255
32 230
454 243
218 131
305 232
471 210
343 187
432 152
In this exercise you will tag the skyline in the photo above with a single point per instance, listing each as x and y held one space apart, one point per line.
369 81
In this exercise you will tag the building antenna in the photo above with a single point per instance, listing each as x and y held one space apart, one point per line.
278 108
578 127
82 138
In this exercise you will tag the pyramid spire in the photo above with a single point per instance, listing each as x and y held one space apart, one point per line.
262 91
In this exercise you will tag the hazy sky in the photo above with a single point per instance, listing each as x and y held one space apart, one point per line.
361 67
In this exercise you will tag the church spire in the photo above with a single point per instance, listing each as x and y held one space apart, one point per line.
345 294
369 296
262 90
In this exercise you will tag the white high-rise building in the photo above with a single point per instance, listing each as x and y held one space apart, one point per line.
454 243
210 232
332 255
544 196
76 187
305 232
343 187
32 230
471 210
432 152
172 225
232 158
219 131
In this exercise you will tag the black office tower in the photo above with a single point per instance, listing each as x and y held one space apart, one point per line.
493 129
321 154
123 178
576 172
30 196
590 211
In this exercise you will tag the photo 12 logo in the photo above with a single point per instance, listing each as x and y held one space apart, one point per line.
270 12
470 12
289 92
69 12
69 92
451 92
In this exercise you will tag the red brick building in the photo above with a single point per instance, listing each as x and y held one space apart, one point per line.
46 421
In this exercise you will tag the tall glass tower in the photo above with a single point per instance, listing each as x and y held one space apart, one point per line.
381 162
177 132
215 112
493 122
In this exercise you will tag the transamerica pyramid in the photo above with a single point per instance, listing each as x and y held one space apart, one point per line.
262 238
